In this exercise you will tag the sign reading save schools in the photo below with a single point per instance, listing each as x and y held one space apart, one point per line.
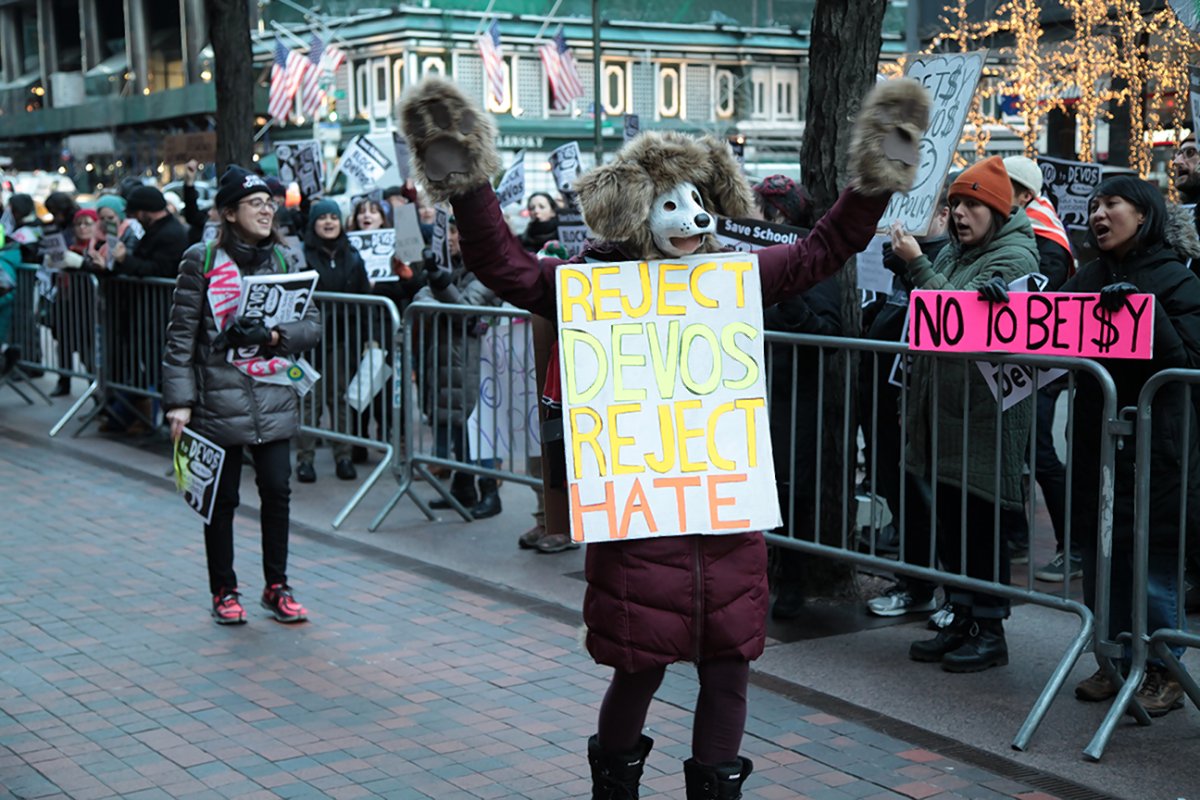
1046 323
664 398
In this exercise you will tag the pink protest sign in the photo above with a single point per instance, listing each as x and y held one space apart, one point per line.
1037 323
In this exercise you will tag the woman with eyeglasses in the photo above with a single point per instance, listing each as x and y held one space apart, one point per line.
231 404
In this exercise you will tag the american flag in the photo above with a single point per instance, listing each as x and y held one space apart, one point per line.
313 98
493 62
281 98
565 84
334 58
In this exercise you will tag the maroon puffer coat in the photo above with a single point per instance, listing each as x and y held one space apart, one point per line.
652 602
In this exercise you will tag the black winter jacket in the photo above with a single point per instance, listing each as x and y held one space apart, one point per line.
158 253
227 406
1157 270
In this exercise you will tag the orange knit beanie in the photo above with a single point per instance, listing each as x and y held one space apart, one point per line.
986 181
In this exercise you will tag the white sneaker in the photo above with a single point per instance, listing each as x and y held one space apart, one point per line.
899 601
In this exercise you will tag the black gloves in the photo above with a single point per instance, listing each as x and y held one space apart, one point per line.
1112 297
438 278
994 291
243 332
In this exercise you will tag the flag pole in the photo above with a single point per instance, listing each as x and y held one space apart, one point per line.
546 22
597 106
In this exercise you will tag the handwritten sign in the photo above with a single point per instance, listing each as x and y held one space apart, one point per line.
665 415
364 163
951 79
1047 323
748 235
301 162
1070 185
512 185
376 248
504 423
873 276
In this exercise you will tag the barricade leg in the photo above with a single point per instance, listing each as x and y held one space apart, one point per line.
1162 649
1057 679
16 378
385 464
89 394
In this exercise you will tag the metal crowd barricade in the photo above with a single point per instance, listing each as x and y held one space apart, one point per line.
56 324
1142 641
802 531
17 377
355 327
471 401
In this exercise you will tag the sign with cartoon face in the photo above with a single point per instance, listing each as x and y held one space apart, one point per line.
951 79
198 463
565 166
301 163
1070 186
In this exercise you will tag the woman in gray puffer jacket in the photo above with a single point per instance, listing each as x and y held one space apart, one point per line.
225 401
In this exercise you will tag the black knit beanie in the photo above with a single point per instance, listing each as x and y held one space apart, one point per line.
238 183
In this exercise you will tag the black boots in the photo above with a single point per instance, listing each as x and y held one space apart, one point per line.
968 644
716 782
489 499
984 647
616 777
462 488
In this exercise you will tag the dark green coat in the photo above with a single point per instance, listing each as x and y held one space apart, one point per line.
1011 254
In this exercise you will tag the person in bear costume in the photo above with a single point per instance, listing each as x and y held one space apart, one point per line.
653 602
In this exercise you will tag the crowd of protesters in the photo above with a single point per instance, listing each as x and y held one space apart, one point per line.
944 464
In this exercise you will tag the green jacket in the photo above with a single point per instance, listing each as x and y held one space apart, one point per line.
1011 254
10 259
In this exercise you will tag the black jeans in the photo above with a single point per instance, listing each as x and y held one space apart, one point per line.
979 561
272 469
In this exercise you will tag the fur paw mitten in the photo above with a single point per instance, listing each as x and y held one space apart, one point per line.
451 140
885 146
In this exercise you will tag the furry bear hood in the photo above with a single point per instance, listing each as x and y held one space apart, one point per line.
616 197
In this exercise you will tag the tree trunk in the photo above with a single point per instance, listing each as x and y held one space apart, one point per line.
843 61
229 28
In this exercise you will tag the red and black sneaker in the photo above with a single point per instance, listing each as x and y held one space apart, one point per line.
227 609
277 598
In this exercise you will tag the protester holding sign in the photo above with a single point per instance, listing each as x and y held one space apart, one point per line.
665 596
992 245
1142 249
216 381
328 251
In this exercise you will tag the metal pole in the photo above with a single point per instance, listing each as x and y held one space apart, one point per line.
597 105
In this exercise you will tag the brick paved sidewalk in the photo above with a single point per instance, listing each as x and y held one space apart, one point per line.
114 681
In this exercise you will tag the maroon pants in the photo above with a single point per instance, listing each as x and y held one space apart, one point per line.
720 709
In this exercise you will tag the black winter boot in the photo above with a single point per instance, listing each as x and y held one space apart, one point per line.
716 782
616 777
462 488
983 647
489 499
948 638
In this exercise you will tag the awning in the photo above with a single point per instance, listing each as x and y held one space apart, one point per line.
23 82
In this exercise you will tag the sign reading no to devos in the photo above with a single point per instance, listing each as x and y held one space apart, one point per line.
664 398
1037 323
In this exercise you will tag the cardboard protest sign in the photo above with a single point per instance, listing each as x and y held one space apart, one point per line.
376 248
1069 185
951 79
665 418
181 147
748 235
572 232
410 243
1055 323
26 235
565 166
504 423
633 126
512 186
198 465
364 162
301 162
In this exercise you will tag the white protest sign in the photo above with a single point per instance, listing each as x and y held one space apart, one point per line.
402 155
873 276
410 244
376 248
301 163
951 79
198 466
572 232
504 423
565 166
665 419
748 235
26 235
512 185
364 163
54 250
438 242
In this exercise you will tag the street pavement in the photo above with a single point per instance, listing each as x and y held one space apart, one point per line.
438 663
